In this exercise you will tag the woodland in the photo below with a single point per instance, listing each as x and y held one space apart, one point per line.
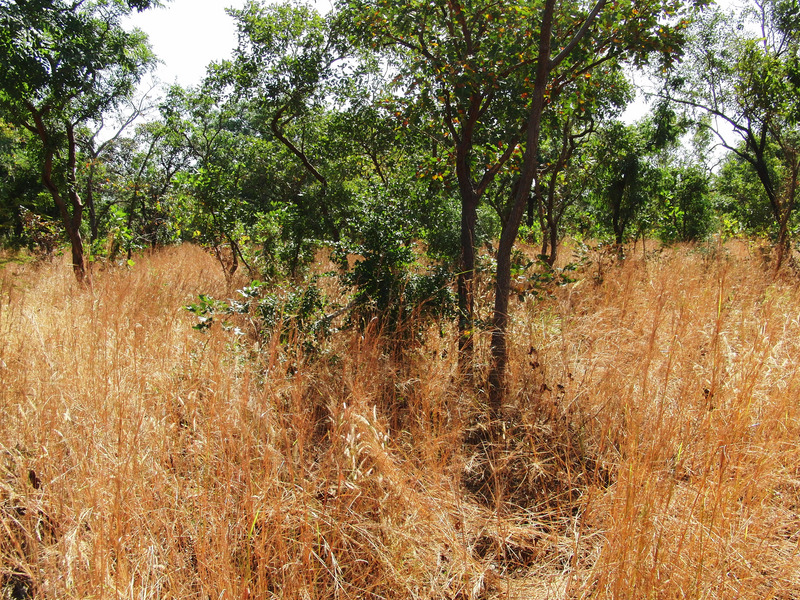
395 304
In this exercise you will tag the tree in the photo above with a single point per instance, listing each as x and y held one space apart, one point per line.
66 63
133 184
20 184
607 33
626 177
745 73
566 168
741 200
464 73
286 64
684 211
485 71
210 132
317 102
94 143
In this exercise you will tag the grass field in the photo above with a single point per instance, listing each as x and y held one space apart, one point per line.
650 445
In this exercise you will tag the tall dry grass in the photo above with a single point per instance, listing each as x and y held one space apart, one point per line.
650 445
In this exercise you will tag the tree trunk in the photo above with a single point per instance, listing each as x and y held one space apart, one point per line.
784 245
19 227
551 259
466 285
509 233
522 187
71 222
466 273
78 263
545 251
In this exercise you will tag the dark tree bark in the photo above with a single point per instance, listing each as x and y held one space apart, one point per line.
521 191
509 233
470 193
71 219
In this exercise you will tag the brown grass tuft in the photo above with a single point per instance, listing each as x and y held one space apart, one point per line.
649 449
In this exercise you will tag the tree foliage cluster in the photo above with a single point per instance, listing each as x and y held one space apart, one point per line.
384 126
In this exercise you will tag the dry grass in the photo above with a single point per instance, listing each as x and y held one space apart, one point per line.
650 445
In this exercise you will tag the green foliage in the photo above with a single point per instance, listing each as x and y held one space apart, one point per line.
390 286
20 183
530 277
742 70
741 197
129 187
645 184
206 308
260 313
685 208
56 53
287 66
64 64
300 309
40 234
118 235
624 177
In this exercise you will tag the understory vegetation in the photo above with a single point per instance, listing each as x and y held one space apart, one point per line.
646 447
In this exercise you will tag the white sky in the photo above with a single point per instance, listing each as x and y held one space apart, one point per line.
187 35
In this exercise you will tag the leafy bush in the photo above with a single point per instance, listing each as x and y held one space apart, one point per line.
41 234
390 285
292 311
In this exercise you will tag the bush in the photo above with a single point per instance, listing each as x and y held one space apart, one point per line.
390 285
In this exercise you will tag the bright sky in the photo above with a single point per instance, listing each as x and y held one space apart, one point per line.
187 35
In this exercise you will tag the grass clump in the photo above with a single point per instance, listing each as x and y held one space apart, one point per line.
648 446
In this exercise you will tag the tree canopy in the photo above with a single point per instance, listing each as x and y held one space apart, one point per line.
383 124
744 70
66 63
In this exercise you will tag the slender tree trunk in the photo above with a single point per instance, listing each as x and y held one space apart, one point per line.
545 251
90 205
511 229
71 222
644 246
78 263
548 211
781 212
784 245
236 250
19 228
521 190
552 216
471 193
551 259
466 287
466 272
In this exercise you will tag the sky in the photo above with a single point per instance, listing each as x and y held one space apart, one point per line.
187 35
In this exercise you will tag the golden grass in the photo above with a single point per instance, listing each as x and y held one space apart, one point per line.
651 446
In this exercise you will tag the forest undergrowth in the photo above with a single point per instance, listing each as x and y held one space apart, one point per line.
648 447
